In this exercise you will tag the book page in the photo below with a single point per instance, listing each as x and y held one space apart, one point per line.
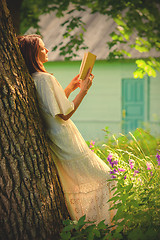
87 62
82 63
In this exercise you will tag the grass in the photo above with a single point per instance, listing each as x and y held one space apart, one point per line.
135 167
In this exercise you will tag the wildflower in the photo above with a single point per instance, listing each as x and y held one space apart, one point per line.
114 171
151 173
149 165
92 144
131 163
115 162
112 163
113 176
158 158
135 172
125 177
121 170
109 158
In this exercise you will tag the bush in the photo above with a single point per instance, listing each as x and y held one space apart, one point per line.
135 167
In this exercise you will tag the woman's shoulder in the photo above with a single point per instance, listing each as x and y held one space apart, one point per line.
42 75
42 79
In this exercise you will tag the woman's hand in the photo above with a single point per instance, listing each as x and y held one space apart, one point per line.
87 82
75 83
85 85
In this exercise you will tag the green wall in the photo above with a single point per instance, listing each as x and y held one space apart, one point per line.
102 105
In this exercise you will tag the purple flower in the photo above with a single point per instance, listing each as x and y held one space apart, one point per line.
113 176
112 163
114 171
115 162
158 158
125 177
109 158
121 170
151 173
135 172
131 163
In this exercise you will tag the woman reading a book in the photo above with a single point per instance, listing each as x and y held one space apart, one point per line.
82 173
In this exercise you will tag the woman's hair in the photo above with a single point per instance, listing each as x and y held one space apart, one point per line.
29 46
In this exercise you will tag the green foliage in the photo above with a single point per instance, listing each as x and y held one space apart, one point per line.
73 39
32 9
141 143
81 229
136 190
138 26
148 66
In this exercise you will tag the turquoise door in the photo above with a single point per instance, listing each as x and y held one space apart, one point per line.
132 104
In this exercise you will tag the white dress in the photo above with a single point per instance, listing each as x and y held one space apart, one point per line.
82 173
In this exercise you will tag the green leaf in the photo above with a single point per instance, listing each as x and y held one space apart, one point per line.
81 221
114 199
129 187
68 228
67 222
64 23
119 21
136 234
119 229
90 228
65 236
55 47
101 225
90 236
97 233
117 236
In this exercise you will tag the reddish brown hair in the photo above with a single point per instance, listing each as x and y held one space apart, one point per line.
29 46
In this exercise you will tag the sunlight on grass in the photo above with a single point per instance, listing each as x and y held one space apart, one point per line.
135 168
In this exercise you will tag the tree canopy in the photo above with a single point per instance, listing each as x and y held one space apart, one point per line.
136 19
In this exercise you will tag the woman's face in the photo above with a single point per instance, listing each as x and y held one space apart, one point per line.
42 53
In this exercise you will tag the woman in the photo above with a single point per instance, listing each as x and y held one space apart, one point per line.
82 173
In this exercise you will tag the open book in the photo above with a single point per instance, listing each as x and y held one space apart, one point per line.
87 62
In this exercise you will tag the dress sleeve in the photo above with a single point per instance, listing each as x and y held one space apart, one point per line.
52 95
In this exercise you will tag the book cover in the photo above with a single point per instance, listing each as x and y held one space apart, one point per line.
87 62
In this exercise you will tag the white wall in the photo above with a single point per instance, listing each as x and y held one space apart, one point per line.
154 116
102 105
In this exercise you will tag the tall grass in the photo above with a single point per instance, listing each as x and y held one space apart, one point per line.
135 168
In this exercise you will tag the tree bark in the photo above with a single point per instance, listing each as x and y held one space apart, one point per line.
31 203
14 7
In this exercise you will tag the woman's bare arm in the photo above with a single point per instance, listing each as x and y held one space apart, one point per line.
78 99
73 85
85 85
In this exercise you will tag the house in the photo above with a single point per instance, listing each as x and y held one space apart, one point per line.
116 99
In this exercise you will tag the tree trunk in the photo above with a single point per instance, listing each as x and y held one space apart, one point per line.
14 7
31 203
